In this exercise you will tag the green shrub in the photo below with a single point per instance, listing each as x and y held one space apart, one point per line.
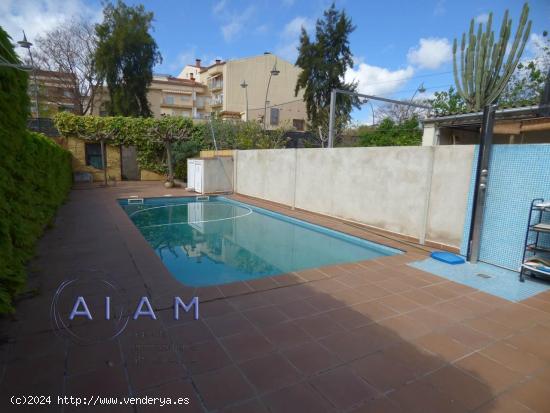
35 176
389 133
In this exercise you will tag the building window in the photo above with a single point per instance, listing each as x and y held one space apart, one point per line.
274 116
185 98
299 124
93 155
169 100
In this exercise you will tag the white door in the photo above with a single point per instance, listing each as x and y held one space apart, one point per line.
198 177
190 174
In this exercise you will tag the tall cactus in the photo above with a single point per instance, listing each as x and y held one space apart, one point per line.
483 73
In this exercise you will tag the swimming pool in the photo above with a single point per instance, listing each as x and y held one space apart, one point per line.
218 240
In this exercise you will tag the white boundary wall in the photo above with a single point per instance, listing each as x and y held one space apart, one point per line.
420 192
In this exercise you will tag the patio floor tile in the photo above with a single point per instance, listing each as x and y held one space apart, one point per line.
108 381
512 357
298 398
419 397
285 335
489 327
416 359
467 336
379 405
80 359
244 346
229 324
342 388
250 406
265 316
215 308
190 333
382 372
203 357
460 386
533 394
156 367
223 387
269 372
492 373
311 358
404 327
535 341
297 309
443 346
504 404
319 326
398 303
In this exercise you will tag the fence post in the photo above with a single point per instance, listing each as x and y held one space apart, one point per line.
427 198
295 178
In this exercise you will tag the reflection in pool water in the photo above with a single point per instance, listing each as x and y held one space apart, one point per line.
221 241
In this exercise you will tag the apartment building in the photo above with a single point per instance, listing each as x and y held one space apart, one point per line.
237 89
169 95
56 93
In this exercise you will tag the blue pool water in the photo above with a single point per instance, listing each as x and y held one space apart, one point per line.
220 241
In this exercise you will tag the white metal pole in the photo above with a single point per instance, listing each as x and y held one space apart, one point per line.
331 118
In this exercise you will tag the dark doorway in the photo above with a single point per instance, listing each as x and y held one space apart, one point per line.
130 169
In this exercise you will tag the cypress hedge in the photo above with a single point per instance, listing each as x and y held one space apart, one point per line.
35 177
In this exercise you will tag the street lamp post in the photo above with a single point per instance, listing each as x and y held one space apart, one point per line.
244 85
364 102
419 89
273 72
25 44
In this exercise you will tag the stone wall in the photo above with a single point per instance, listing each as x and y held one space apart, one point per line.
77 148
146 175
419 192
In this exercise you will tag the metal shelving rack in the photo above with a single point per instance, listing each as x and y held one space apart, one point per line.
537 238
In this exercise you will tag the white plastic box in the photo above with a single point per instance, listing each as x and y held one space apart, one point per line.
210 175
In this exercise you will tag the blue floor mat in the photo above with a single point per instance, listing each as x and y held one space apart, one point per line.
493 280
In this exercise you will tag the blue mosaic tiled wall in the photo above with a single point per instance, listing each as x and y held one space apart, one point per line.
518 174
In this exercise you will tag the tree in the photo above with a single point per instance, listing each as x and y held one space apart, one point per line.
390 133
527 83
324 61
69 51
169 130
483 73
447 102
400 113
125 56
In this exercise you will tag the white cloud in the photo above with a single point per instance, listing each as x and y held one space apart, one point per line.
439 9
219 6
431 53
290 37
234 22
376 80
38 17
231 30
262 29
482 18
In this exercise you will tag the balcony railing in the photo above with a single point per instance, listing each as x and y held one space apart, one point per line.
216 101
215 85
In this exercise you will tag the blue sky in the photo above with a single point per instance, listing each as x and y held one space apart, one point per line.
397 44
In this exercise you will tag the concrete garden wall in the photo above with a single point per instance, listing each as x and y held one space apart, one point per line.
419 192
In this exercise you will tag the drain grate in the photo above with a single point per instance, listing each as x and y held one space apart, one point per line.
480 274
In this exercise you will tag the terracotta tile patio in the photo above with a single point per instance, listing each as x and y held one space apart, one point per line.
374 336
